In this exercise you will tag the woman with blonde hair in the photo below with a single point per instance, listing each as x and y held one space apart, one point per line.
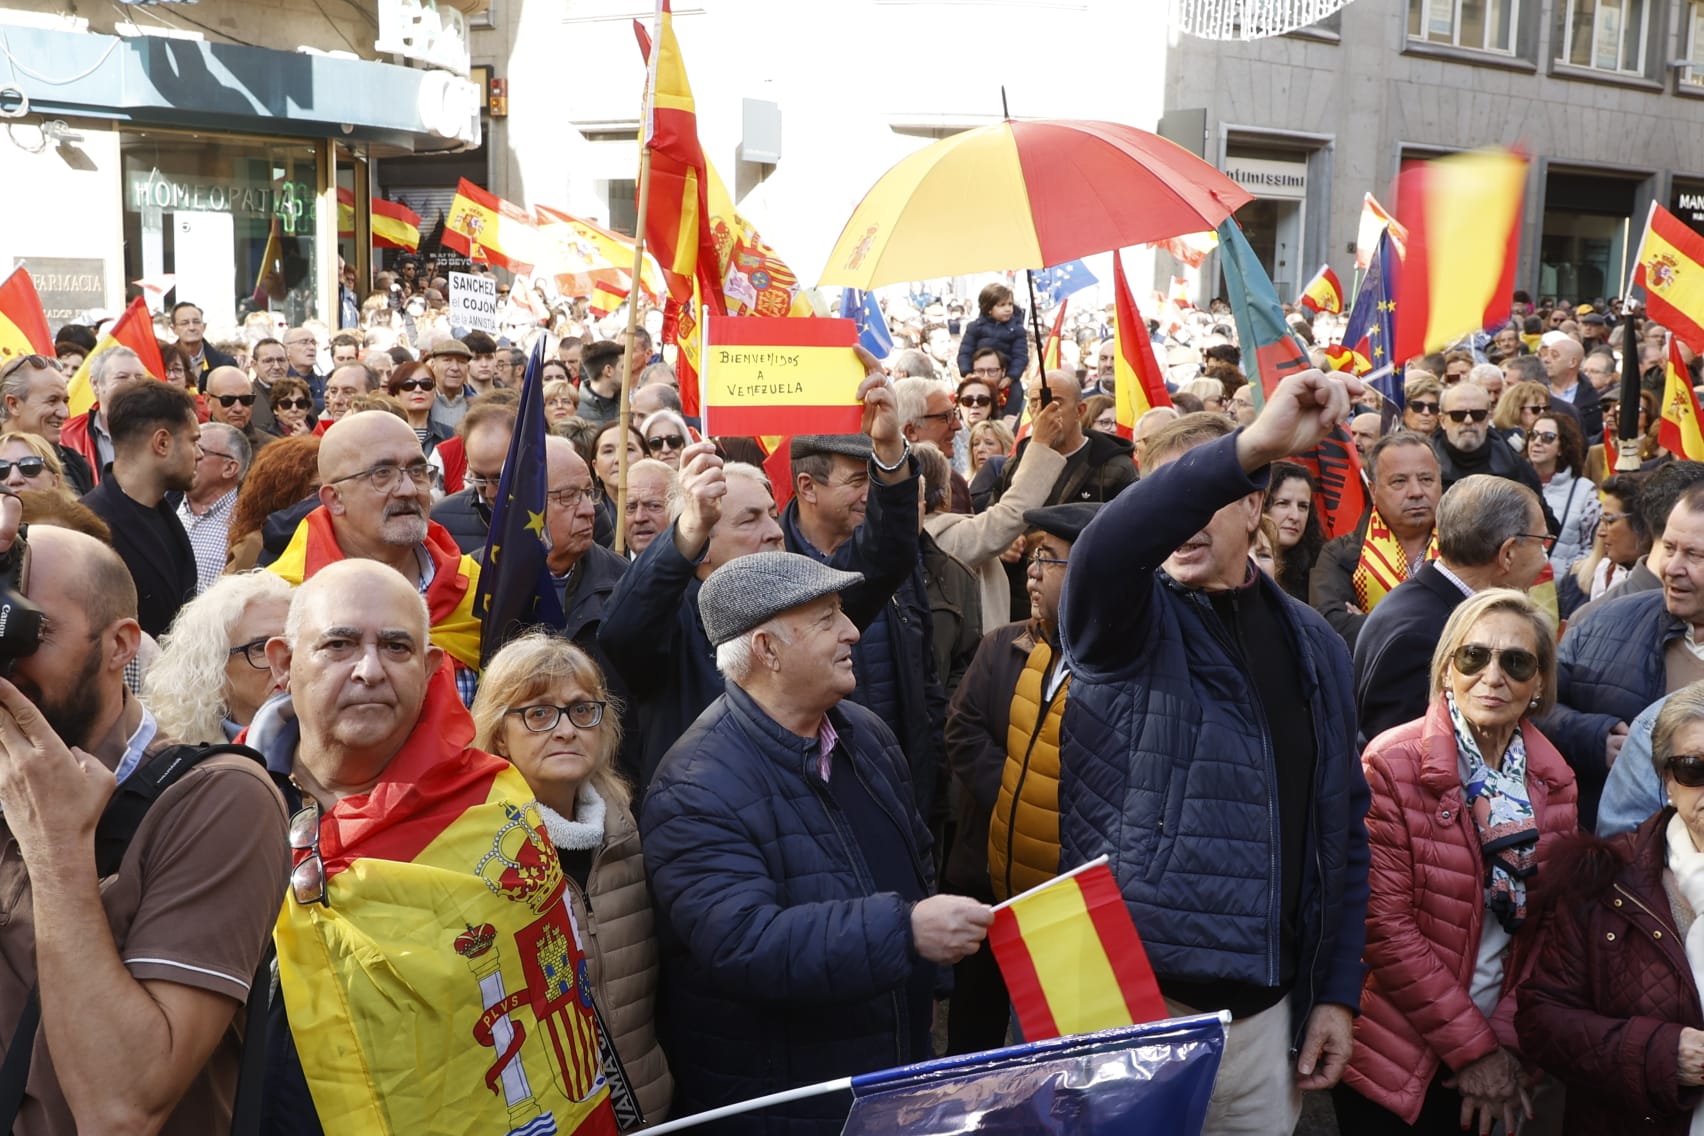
544 705
212 674
1521 405
28 462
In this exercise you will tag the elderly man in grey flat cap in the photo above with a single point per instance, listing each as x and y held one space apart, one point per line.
801 939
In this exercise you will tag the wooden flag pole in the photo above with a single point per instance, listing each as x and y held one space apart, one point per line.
647 110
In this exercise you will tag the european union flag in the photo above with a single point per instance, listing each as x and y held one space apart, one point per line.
515 589
1064 279
1371 330
873 334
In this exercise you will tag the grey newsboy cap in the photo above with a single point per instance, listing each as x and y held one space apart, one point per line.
745 592
852 445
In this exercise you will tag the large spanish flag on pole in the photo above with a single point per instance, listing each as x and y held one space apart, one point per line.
1138 383
23 324
482 226
1463 215
1670 268
441 987
135 330
1071 957
1680 432
391 224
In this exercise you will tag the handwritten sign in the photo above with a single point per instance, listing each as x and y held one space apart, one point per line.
473 302
781 376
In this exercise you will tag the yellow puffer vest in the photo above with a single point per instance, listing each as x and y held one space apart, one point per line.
1023 835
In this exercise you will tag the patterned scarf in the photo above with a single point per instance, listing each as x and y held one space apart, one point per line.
1383 564
1508 834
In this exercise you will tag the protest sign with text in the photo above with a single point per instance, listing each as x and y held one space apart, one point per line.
473 302
781 376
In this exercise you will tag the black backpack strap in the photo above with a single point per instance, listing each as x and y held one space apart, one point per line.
15 1070
251 1074
132 800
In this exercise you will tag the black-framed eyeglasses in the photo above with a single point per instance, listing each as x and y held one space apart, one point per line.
384 478
976 401
293 404
1039 556
943 416
29 467
307 878
567 498
542 718
229 400
417 385
665 442
203 451
253 652
1517 663
1460 416
1687 769
1423 407
1548 437
1548 541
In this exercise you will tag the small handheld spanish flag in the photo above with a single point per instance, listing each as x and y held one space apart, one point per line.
1071 957
1324 292
1680 432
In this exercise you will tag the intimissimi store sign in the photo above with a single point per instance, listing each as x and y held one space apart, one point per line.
1687 202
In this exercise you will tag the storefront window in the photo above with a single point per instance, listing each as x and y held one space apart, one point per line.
231 221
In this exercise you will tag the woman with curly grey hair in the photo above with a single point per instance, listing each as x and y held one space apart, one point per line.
212 673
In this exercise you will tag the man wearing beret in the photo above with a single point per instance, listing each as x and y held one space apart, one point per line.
799 934
1002 742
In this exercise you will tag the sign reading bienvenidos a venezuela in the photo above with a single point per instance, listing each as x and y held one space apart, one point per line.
781 376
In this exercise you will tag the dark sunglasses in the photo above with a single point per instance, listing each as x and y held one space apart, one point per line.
1518 663
1423 407
1460 416
665 442
1688 769
39 362
29 467
417 385
1548 437
976 400
230 400
1537 408
293 404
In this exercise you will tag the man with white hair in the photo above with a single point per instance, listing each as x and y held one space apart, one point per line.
87 433
1562 357
791 871
222 457
34 400
927 414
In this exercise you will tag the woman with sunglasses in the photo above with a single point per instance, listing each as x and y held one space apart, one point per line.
1518 408
1558 455
1612 1007
543 704
1420 407
212 674
666 436
292 407
28 462
1468 804
414 385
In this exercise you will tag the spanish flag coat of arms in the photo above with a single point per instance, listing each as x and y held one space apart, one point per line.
442 987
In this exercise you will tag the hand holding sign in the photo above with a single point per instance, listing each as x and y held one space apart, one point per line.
782 376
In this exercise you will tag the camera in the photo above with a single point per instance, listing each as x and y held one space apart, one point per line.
20 619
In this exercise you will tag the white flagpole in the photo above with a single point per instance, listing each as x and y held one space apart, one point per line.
1077 871
839 1084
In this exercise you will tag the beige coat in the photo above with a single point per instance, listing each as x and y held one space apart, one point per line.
977 541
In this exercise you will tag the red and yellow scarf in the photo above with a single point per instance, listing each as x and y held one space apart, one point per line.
1383 564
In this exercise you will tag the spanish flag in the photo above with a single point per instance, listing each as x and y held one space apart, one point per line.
584 257
391 225
1680 433
23 324
1464 232
1072 959
1670 268
442 987
449 598
1138 383
1324 292
1050 353
135 330
483 227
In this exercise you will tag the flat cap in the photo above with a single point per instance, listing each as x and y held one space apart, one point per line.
1594 319
1066 522
745 592
449 345
851 445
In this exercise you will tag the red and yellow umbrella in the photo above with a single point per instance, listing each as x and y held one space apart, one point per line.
1026 195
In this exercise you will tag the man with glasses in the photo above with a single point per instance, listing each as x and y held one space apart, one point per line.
1097 466
154 436
927 414
231 400
1600 370
302 347
222 461
650 485
1466 446
157 958
412 846
34 399
1490 535
485 434
271 363
375 493
190 327
343 386
584 572
87 433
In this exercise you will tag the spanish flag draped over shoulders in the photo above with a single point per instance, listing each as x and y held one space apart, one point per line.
443 986
449 597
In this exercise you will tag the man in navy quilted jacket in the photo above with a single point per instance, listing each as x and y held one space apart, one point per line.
1209 750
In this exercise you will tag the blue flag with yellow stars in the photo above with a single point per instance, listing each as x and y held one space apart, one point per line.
1371 330
515 589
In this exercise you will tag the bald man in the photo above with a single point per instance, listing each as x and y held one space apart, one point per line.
1097 465
1562 359
156 959
233 400
379 721
375 493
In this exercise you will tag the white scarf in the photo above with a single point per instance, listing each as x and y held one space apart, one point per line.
586 830
1687 864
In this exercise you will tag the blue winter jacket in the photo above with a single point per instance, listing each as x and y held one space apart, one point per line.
1166 766
1609 667
1009 338
781 964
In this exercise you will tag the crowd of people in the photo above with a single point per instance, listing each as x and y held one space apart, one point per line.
739 824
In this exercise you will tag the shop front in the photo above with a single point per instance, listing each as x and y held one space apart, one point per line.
1592 223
